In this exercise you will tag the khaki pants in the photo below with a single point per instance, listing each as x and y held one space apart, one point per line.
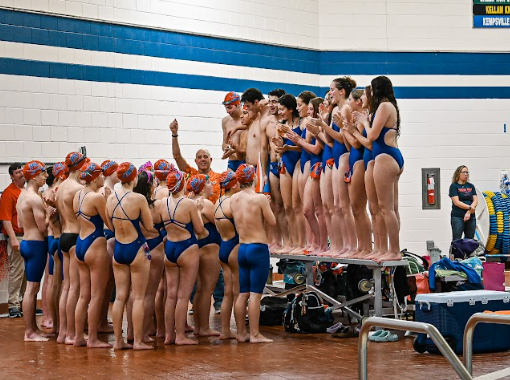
17 280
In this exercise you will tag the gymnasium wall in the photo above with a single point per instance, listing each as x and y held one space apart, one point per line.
114 74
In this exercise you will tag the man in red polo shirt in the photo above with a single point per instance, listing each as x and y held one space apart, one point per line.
10 229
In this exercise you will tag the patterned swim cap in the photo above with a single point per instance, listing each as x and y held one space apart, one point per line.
32 169
232 98
91 172
75 161
228 180
175 181
60 170
147 167
126 172
161 169
245 173
196 183
109 167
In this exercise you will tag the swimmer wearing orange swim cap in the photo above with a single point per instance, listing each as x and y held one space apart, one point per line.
32 169
126 172
60 170
228 180
75 161
232 98
161 169
91 172
245 173
175 181
196 183
109 167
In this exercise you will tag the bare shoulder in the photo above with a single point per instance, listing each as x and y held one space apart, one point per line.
33 199
385 108
261 198
208 204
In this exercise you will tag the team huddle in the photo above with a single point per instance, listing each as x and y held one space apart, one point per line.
158 231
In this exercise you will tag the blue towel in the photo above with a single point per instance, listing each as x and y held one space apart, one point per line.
446 263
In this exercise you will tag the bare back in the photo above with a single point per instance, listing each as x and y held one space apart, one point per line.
222 214
65 197
31 215
125 209
89 203
161 192
251 211
176 213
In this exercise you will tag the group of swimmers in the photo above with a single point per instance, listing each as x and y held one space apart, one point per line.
157 233
323 159
151 234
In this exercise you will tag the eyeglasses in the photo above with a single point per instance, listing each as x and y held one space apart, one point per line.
464 172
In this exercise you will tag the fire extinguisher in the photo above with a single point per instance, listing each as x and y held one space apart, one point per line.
431 196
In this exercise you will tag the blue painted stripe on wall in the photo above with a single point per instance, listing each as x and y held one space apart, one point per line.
90 35
96 36
11 66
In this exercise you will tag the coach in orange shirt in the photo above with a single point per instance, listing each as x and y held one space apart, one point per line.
10 229
203 160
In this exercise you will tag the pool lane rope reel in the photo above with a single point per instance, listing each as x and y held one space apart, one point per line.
498 206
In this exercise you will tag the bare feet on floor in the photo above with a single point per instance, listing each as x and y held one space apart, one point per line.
260 339
80 342
61 338
185 342
142 346
122 346
98 344
228 335
208 332
34 337
69 340
243 338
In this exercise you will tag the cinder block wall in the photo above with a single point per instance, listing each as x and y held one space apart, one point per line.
95 79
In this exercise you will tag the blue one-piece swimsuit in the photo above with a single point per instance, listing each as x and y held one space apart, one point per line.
305 155
290 158
82 245
226 246
126 253
367 153
174 249
379 147
339 149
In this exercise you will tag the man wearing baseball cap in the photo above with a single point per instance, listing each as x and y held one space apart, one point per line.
229 124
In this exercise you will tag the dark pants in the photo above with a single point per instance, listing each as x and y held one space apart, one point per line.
459 227
218 292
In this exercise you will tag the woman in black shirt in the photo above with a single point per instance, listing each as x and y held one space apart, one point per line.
464 199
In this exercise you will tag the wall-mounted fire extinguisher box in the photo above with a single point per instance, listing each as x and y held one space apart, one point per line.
430 189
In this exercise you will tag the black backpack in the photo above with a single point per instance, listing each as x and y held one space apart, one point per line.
271 310
307 314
